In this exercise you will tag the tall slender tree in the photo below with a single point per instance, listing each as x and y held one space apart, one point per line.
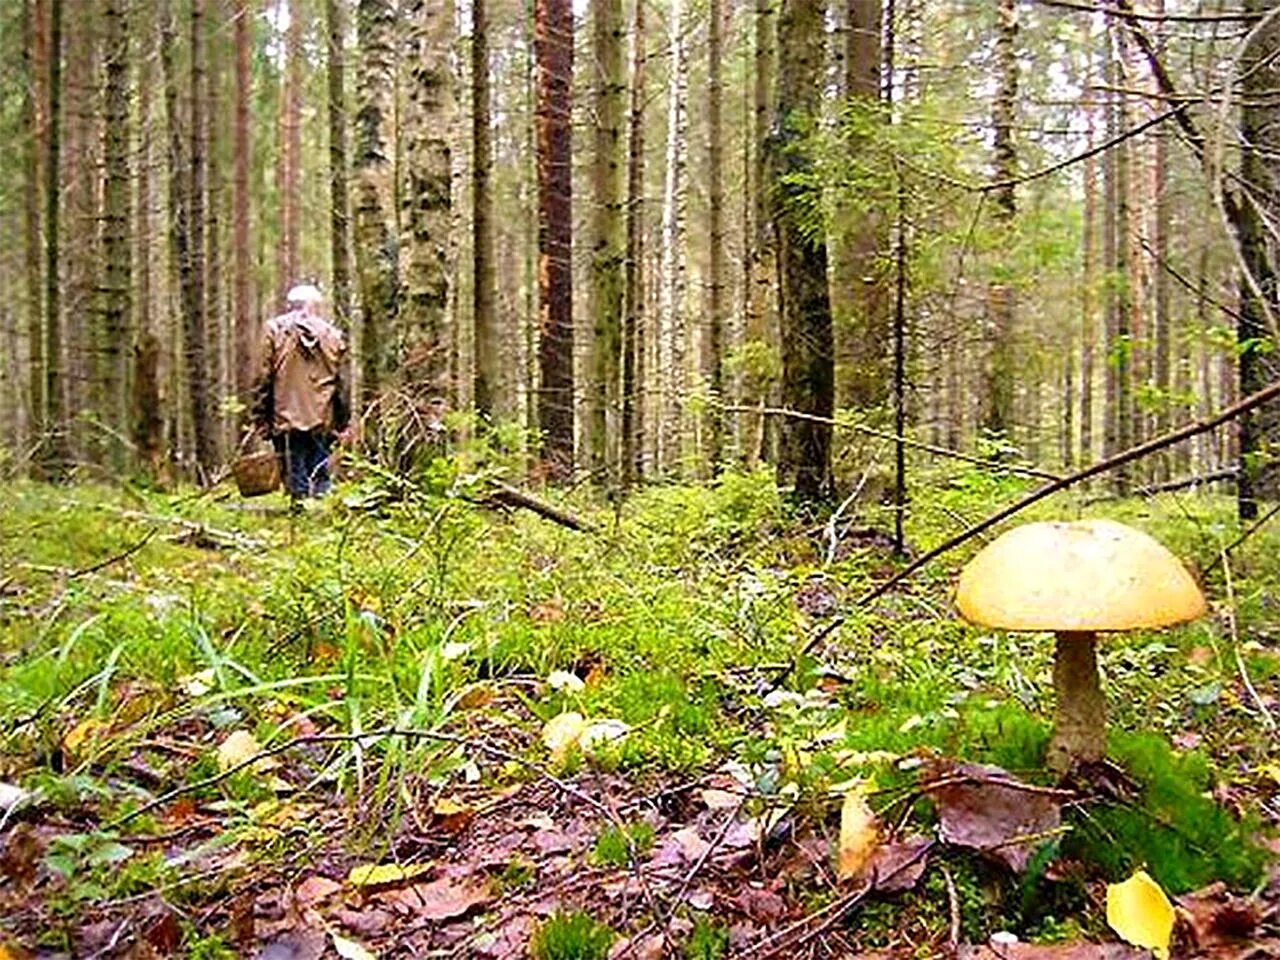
607 241
633 334
426 202
117 285
291 149
195 341
998 391
489 379
807 365
242 263
33 68
55 450
672 333
553 45
713 350
375 236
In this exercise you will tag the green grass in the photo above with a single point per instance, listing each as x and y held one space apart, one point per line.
571 936
346 620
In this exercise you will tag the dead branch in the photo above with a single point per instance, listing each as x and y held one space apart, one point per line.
887 435
1192 429
509 496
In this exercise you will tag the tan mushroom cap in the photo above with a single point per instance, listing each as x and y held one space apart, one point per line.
1085 575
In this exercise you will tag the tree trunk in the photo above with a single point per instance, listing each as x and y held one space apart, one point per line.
1163 356
215 203
339 203
291 151
998 391
492 398
117 286
35 68
1110 245
607 242
1089 278
760 336
55 451
194 315
1121 350
553 43
671 337
1259 476
375 236
807 366
146 424
246 327
713 352
426 205
633 366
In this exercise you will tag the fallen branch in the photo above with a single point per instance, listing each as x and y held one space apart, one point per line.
1169 486
896 438
1192 429
509 496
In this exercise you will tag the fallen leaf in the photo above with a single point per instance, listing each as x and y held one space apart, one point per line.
1213 917
690 844
721 799
988 809
440 899
82 734
893 867
239 747
763 906
350 949
451 815
384 874
314 889
564 680
859 833
476 696
1140 913
304 944
561 733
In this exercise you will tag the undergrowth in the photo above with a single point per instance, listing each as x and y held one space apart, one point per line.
425 611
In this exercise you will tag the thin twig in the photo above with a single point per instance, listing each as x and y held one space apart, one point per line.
1192 429
1267 720
953 911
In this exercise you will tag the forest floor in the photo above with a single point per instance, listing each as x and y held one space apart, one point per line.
417 725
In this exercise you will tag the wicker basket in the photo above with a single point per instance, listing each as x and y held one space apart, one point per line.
256 473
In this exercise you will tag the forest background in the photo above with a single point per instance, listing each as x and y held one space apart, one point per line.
620 233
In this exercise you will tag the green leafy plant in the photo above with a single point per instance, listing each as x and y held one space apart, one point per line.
571 936
614 846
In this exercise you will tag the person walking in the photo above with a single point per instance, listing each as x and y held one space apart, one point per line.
301 401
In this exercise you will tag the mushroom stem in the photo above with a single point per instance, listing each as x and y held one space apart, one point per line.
1080 727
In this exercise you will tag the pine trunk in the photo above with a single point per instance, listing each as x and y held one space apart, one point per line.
291 151
117 286
713 351
146 424
35 68
339 203
807 366
1089 278
553 44
607 243
493 399
246 328
633 352
54 451
672 335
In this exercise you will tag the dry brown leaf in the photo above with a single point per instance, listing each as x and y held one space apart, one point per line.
1212 917
306 943
315 889
239 747
897 866
715 799
441 899
988 809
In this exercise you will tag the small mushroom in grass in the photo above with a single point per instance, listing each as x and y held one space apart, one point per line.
1077 579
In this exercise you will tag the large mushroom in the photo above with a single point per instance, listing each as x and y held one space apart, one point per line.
1077 579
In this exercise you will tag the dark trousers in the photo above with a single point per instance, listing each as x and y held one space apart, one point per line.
304 460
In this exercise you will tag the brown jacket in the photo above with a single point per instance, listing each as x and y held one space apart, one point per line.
300 384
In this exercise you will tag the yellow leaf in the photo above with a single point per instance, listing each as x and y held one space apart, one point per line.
1141 914
859 832
239 747
381 874
350 949
81 734
562 732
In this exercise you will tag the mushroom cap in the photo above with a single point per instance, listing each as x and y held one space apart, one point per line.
1085 575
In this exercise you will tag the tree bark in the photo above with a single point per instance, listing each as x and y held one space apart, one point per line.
607 243
1089 277
633 366
426 209
553 44
291 151
146 424
117 285
1259 475
55 451
246 327
194 315
492 398
35 68
713 353
807 367
375 236
998 391
339 200
672 333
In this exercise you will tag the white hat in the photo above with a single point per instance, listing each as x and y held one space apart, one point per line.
304 293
